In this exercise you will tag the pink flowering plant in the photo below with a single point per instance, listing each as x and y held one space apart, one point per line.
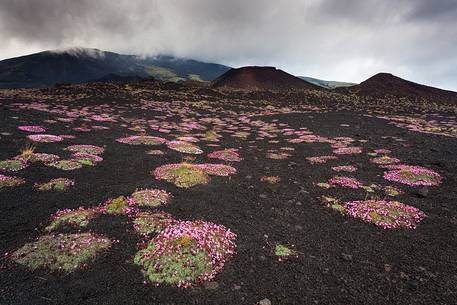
345 182
385 214
186 253
186 175
9 181
142 140
66 165
216 169
151 197
32 128
230 155
61 252
413 176
320 159
348 150
58 184
12 165
39 157
277 155
85 149
182 175
87 159
146 223
76 218
119 206
44 138
384 160
184 147
344 168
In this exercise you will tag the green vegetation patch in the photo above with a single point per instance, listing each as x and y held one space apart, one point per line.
8 181
79 218
151 197
117 206
63 252
146 223
66 165
163 74
59 184
182 175
283 251
12 165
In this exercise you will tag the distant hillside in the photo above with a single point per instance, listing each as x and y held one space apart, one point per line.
79 65
384 84
260 78
326 83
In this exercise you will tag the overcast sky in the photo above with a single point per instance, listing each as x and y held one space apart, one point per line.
330 39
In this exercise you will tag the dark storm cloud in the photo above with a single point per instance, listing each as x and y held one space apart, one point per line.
335 39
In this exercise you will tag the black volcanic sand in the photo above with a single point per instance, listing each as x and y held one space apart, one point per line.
341 260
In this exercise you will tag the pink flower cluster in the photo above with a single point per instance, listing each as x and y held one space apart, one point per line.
215 240
348 150
345 182
344 168
208 168
413 176
230 155
184 147
39 157
45 138
8 181
321 159
32 128
384 160
84 156
142 140
85 148
385 214
216 169
13 165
